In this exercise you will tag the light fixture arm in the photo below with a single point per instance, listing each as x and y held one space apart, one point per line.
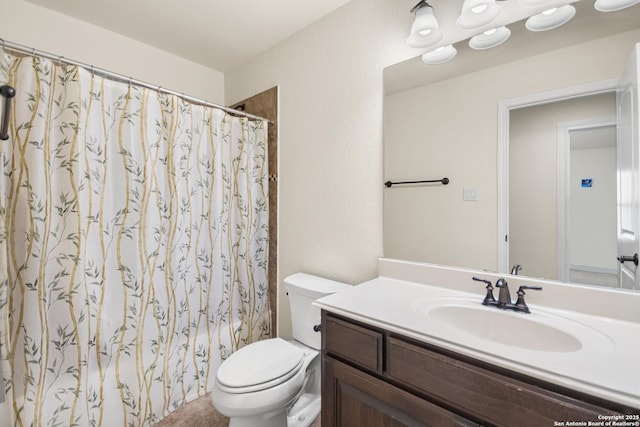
420 5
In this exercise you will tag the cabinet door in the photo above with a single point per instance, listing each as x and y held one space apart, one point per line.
351 398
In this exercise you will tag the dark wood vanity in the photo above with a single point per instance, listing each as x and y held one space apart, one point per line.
372 377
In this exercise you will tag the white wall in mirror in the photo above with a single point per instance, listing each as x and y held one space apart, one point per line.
593 213
449 129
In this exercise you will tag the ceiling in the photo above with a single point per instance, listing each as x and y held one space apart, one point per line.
220 34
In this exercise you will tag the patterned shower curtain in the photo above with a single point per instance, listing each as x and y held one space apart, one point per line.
133 247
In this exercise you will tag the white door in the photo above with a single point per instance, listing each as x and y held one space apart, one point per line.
628 164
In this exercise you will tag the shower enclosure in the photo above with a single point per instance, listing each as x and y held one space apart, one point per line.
133 246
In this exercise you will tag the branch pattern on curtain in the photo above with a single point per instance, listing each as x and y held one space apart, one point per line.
135 243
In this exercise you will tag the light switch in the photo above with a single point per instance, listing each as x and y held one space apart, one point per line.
470 194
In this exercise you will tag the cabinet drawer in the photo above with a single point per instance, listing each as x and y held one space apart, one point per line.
481 393
353 343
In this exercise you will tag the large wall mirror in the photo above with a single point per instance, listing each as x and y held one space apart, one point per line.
533 179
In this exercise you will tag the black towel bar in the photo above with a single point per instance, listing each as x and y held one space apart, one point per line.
444 181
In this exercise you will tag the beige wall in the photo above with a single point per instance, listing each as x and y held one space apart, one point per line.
533 179
330 178
52 32
449 129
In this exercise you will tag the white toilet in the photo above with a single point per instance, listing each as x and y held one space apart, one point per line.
276 382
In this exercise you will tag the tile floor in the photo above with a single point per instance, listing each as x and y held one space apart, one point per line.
198 413
201 413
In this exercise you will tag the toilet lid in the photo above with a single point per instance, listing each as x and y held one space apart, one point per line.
260 362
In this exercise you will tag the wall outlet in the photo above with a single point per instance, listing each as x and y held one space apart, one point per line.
470 194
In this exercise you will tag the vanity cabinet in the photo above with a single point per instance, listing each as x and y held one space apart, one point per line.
372 377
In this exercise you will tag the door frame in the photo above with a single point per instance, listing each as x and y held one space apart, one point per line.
504 108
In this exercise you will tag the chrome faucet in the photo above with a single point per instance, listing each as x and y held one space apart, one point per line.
515 269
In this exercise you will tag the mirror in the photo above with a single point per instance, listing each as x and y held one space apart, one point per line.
442 121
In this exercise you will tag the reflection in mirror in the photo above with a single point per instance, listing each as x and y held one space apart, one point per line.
444 122
591 229
562 190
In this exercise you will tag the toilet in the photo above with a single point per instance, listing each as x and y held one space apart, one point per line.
276 382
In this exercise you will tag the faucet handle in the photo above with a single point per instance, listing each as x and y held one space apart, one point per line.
488 299
489 285
520 305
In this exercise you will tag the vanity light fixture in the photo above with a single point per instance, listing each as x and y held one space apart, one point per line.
477 13
551 18
440 55
490 38
425 31
614 5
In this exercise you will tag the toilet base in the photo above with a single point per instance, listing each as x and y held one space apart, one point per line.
304 417
308 411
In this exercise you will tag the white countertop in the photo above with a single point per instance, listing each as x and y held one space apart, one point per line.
608 365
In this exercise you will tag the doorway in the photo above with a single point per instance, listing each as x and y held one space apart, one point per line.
587 202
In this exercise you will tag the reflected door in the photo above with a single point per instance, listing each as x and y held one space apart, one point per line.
628 161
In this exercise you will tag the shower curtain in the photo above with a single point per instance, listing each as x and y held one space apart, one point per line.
133 247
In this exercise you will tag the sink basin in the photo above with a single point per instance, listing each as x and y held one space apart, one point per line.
515 331
454 319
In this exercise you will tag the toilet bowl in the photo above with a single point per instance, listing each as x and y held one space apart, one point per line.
276 382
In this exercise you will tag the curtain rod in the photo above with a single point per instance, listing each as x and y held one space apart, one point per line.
122 78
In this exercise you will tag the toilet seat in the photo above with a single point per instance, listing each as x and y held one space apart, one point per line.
259 366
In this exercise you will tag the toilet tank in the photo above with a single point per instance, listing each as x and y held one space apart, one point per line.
303 289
